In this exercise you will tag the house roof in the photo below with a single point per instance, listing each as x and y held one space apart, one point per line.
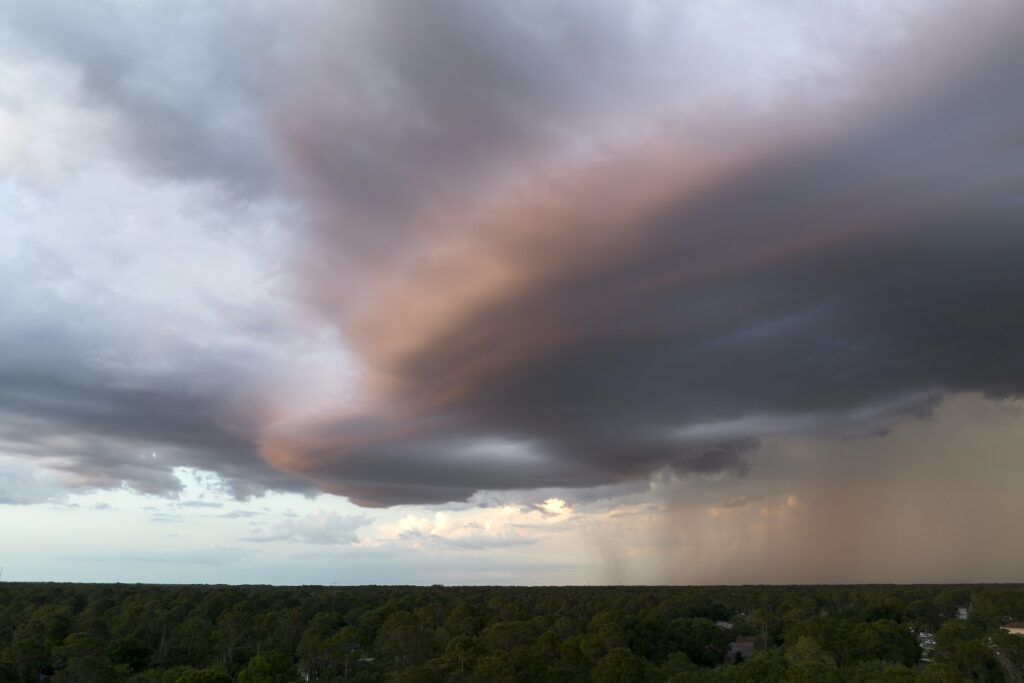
1015 624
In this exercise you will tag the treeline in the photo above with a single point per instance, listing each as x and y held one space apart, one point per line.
85 633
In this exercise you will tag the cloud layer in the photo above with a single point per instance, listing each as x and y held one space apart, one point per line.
679 294
562 245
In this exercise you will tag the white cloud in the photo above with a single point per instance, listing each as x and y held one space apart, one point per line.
479 528
323 527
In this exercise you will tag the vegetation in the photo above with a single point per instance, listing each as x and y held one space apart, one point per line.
256 634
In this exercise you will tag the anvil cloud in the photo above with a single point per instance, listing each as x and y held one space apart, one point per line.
553 245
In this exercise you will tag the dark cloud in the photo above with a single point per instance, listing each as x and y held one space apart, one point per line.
428 106
725 457
833 283
122 356
570 245
81 420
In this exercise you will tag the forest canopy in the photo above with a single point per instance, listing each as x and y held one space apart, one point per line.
260 634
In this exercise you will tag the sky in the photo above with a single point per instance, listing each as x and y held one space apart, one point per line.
502 292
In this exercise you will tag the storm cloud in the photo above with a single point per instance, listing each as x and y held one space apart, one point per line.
562 246
672 301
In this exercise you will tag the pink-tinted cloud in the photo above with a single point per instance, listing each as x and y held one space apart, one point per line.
809 261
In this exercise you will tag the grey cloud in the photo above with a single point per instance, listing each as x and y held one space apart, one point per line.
56 408
139 330
563 258
838 282
725 457
324 528
121 357
413 109
187 83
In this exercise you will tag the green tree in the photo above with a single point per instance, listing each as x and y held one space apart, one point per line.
401 639
29 652
204 676
417 674
341 651
130 653
809 663
701 640
939 673
619 666
765 666
879 672
507 635
322 654
813 672
81 658
881 640
233 628
496 668
959 643
460 653
462 621
1009 651
268 667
